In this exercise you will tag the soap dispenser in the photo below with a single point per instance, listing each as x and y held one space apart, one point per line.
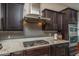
55 36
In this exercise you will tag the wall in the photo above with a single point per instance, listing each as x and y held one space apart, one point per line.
53 6
11 34
33 30
26 9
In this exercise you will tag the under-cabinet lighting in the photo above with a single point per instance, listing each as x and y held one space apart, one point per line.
39 24
24 23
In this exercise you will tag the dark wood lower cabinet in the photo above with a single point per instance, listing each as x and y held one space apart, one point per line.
53 50
41 51
60 49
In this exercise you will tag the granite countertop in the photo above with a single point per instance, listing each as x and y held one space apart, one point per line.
13 45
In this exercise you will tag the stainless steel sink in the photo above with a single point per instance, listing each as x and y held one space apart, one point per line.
35 43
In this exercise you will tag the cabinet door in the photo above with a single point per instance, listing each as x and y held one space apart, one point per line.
49 25
52 24
70 16
74 16
59 21
13 16
61 50
54 20
52 50
41 51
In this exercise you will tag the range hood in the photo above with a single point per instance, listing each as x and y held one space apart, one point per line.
34 13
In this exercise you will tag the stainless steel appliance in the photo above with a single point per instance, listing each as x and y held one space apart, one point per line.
35 43
73 38
34 12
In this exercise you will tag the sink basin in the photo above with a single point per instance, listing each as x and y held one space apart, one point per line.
35 43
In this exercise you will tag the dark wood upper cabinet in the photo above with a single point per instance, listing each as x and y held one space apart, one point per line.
70 17
59 21
56 19
52 15
12 16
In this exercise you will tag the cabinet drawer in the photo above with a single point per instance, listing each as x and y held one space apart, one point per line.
62 45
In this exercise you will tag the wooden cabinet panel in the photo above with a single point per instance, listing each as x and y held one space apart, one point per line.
59 20
60 49
56 19
40 51
70 17
51 25
53 50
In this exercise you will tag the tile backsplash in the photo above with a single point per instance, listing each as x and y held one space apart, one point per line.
20 34
12 34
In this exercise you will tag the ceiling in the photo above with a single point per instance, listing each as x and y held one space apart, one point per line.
72 5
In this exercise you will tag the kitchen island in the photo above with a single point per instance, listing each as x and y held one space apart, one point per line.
16 47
